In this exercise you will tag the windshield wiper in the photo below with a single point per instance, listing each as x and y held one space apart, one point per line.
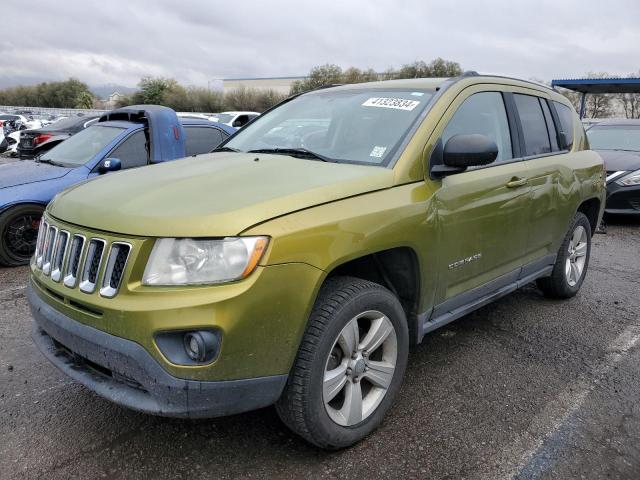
299 152
224 149
47 160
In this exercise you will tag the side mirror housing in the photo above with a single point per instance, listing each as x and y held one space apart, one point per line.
237 123
469 151
110 165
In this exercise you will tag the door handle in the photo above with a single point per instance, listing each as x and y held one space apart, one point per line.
517 182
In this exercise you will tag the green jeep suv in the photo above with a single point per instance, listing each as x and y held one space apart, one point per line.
297 263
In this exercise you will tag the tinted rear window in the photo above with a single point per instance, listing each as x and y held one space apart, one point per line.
536 136
202 139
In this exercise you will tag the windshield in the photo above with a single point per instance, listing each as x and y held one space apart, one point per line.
223 117
81 147
9 117
350 126
614 137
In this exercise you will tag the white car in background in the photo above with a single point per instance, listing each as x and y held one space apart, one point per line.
234 119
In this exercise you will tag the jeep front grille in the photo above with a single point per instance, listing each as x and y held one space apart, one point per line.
92 265
73 261
81 262
48 249
58 255
116 263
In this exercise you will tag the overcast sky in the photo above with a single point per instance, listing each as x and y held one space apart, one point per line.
119 41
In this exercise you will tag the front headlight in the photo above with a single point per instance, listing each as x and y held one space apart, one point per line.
630 180
189 261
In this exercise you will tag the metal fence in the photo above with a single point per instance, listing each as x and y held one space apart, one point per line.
65 112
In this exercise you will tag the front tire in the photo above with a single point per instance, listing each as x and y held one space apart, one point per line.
572 261
349 366
18 234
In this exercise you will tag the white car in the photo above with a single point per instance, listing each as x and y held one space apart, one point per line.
13 139
20 121
234 119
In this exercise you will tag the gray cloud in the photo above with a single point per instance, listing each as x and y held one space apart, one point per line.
193 41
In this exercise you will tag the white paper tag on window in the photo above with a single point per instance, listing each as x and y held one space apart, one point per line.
378 152
397 103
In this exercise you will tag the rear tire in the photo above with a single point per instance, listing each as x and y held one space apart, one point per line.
331 399
572 261
18 234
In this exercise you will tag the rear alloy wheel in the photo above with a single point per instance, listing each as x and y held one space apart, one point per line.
18 234
349 366
572 261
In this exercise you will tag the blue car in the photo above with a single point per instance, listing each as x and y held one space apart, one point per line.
124 138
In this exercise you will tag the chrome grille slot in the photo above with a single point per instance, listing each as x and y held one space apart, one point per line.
58 255
92 265
42 233
48 249
73 261
116 263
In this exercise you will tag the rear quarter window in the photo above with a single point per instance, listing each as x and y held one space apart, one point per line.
566 116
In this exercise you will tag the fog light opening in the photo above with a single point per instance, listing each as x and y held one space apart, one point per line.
194 346
200 346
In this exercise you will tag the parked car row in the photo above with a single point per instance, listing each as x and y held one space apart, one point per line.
119 140
295 264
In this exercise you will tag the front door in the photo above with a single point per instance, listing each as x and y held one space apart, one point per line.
483 212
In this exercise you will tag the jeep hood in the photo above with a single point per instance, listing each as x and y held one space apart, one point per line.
27 171
211 195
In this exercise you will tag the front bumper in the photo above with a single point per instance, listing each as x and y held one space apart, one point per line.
124 372
622 200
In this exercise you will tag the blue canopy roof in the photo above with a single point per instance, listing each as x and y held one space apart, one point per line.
599 85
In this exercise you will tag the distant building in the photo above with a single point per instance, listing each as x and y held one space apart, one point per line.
112 100
279 84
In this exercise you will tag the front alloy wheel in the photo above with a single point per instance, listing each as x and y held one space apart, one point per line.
18 234
349 366
358 373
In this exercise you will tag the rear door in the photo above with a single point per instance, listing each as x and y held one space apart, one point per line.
482 212
549 167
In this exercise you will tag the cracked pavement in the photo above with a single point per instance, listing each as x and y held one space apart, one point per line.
524 388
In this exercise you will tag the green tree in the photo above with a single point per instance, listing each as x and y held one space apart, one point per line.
55 94
318 76
85 100
437 68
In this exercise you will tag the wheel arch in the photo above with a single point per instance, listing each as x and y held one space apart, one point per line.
397 269
591 208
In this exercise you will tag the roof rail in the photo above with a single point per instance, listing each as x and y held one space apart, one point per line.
470 73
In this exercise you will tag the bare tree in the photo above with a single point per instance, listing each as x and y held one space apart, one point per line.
630 101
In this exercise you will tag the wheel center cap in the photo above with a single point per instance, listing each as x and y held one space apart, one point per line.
359 367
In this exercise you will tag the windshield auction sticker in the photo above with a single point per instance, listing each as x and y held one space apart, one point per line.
397 103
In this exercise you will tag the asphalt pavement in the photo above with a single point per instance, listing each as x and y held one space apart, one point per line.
526 387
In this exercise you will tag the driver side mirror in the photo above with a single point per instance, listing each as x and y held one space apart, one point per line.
237 123
461 152
109 165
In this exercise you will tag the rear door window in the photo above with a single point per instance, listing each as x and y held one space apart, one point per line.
202 139
132 152
485 114
551 128
534 127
